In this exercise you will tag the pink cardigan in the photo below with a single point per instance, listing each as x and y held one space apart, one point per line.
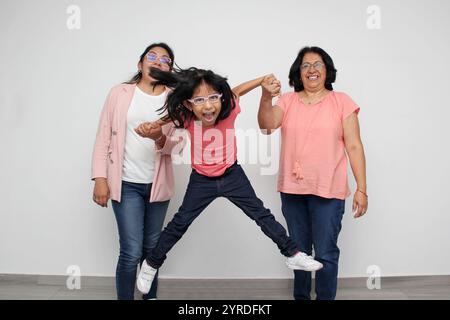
107 158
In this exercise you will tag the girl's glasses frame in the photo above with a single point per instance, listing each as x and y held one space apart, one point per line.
212 98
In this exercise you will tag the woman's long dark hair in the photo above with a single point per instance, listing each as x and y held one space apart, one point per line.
294 73
183 83
138 76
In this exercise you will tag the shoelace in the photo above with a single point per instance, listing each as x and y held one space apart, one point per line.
147 275
307 257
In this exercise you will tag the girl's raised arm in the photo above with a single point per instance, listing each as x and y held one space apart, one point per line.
248 86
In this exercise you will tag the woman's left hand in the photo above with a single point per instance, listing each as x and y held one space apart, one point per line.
360 203
150 130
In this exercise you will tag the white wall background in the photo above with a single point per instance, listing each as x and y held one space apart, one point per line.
53 83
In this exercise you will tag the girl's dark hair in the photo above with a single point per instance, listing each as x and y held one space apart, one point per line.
294 73
138 76
183 83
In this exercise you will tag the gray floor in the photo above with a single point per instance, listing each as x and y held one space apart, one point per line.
33 287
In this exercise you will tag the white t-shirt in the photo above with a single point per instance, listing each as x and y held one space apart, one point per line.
139 156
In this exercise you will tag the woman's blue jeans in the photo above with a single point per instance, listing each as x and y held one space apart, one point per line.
139 223
314 221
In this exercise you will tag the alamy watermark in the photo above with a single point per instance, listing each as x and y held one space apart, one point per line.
74 19
374 280
374 19
73 281
213 146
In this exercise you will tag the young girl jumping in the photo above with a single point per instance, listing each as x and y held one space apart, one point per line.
203 103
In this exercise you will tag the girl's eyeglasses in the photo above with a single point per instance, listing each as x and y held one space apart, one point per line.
212 98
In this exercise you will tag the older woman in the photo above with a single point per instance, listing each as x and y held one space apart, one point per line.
318 127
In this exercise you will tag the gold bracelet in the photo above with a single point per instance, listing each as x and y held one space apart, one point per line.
363 193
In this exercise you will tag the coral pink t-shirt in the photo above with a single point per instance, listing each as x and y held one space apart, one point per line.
213 149
313 158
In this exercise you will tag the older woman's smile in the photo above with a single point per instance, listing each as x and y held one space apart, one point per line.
313 77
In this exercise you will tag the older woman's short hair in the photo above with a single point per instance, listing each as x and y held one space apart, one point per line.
294 73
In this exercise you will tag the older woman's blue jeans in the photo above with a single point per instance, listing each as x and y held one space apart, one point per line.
139 223
314 221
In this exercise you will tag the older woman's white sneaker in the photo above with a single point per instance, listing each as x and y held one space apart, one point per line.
145 277
302 261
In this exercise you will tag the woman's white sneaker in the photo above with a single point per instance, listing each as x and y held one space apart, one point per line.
145 277
302 261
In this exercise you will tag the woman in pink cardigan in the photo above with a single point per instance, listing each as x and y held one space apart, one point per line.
134 172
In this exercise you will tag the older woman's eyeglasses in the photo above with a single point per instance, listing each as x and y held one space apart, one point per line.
316 65
212 98
152 57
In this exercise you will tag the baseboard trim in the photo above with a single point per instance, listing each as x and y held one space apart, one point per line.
88 281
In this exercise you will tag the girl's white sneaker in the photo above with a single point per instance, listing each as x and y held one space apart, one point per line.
302 261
